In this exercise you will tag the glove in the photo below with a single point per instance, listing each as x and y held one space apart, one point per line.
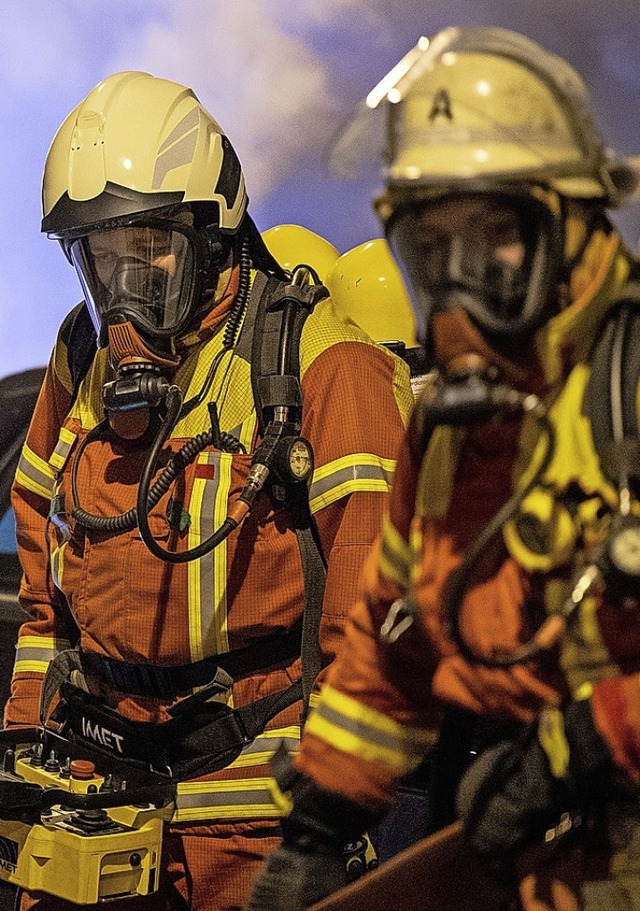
310 863
518 790
294 878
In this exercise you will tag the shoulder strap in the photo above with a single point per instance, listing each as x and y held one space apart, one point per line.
610 400
276 330
275 352
79 335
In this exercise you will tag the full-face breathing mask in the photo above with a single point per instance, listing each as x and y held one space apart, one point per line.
493 255
143 282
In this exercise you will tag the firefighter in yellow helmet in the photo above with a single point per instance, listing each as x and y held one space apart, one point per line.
367 289
505 583
207 463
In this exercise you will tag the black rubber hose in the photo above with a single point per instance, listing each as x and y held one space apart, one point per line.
144 503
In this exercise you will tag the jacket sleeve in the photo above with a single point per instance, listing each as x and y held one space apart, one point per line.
47 630
374 721
356 424
357 400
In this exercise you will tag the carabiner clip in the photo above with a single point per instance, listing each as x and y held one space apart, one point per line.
399 619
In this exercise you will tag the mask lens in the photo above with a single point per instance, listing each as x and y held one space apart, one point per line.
474 252
142 273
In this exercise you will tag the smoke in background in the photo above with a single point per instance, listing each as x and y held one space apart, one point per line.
280 76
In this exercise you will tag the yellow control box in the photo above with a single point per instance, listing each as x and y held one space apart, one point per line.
79 852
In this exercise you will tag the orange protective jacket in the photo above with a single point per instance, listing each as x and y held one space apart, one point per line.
111 596
382 702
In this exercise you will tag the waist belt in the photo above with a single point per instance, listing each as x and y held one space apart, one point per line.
205 740
200 736
154 680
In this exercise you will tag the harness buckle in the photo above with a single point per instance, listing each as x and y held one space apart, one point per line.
399 619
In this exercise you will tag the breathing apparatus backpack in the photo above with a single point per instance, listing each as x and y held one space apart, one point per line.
611 404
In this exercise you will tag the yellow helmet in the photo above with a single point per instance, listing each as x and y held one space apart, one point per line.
138 143
293 245
366 288
479 106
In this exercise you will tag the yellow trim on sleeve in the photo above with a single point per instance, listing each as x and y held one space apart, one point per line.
357 711
43 642
355 459
24 481
389 743
31 667
348 742
356 482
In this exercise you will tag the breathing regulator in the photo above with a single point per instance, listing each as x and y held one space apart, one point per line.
282 456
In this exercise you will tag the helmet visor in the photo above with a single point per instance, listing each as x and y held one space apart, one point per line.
146 273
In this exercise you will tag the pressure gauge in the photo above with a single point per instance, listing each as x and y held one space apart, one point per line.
300 459
620 564
624 550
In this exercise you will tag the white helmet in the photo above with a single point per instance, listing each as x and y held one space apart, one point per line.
481 105
485 113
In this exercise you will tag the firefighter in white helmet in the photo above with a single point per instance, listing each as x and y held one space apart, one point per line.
505 582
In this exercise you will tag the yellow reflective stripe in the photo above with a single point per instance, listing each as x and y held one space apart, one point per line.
35 474
245 798
348 742
61 453
358 472
396 557
358 729
30 667
25 481
207 577
53 644
553 740
239 798
57 564
34 653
